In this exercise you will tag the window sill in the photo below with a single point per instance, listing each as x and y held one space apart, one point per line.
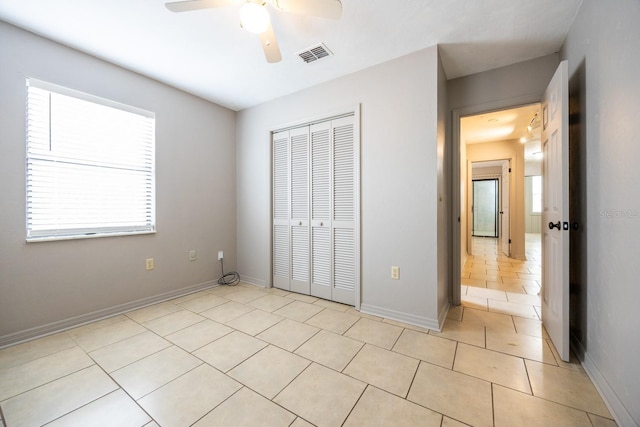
86 236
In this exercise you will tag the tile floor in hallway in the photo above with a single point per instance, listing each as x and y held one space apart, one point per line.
246 356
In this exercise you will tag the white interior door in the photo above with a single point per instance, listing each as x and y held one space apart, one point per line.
281 241
504 210
321 200
345 216
299 222
555 210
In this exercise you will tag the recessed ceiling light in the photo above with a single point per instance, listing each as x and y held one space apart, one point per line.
523 139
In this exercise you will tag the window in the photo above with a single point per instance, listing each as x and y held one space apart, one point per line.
90 165
536 194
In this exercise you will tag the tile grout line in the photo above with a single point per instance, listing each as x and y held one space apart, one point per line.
55 379
219 404
59 378
356 402
493 406
95 400
350 361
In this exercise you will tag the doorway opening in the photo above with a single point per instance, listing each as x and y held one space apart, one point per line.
496 173
551 275
497 149
484 208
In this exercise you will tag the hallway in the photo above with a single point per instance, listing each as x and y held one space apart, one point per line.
492 281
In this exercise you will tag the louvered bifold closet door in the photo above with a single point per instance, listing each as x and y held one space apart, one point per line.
299 221
315 210
344 209
281 243
321 200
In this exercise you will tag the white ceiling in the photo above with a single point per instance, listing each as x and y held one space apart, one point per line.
207 54
505 125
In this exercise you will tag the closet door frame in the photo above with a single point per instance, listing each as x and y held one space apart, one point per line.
333 115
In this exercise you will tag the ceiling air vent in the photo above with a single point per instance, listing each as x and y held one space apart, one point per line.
314 53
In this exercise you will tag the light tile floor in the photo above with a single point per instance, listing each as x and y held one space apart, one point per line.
245 356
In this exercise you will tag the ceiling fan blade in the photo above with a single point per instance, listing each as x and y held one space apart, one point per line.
270 46
331 9
185 6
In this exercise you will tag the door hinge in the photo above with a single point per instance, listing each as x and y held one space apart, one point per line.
509 241
509 170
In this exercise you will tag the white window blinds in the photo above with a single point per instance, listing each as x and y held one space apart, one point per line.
90 165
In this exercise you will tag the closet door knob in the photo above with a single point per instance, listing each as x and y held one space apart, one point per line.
321 224
300 223
552 225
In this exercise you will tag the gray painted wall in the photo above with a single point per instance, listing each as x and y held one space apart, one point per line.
48 285
399 180
603 49
513 85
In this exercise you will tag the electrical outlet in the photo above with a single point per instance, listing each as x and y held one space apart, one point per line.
395 273
192 255
149 264
220 255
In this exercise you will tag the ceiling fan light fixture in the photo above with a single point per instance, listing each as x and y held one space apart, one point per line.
254 18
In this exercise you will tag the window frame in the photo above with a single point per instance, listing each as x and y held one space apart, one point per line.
147 173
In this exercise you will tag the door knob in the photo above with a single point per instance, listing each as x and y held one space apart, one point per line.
552 225
300 223
321 224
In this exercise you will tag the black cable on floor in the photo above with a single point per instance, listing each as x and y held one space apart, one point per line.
229 279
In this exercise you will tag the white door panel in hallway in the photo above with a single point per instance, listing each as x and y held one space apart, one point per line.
555 211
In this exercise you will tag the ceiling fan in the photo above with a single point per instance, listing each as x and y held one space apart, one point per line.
254 16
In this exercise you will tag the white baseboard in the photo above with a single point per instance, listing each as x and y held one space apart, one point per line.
442 317
72 322
411 319
253 281
620 414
